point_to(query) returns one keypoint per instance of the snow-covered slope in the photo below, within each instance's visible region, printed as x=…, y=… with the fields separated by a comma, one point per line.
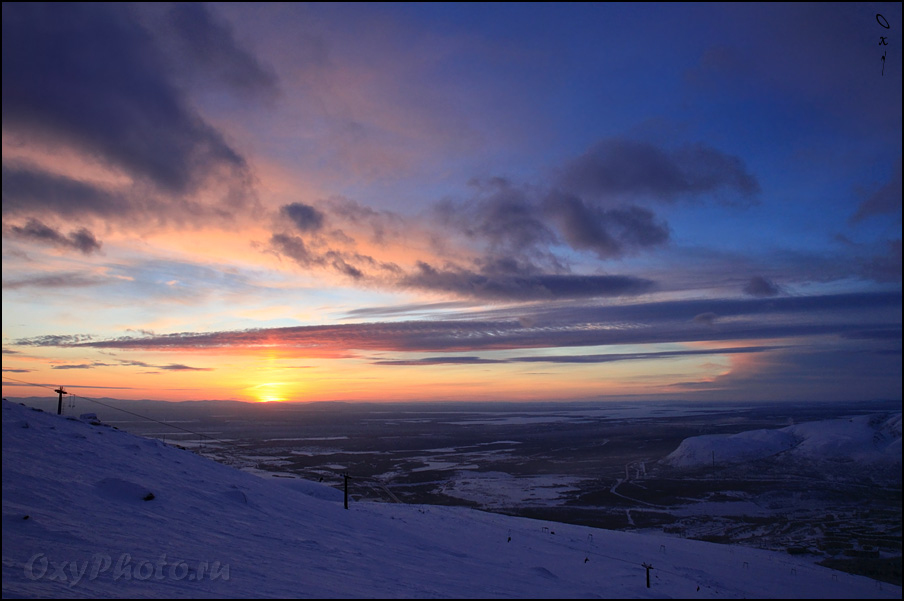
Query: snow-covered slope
x=90, y=511
x=861, y=440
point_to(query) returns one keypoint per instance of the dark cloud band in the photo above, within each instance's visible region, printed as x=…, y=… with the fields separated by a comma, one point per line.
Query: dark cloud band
x=562, y=326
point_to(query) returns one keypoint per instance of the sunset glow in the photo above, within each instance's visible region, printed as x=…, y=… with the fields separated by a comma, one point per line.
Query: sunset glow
x=313, y=202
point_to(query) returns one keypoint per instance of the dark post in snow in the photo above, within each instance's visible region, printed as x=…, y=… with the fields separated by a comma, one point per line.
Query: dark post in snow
x=648, y=567
x=61, y=392
x=346, y=489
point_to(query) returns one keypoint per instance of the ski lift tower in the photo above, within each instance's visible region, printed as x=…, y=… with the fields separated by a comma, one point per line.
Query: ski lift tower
x=61, y=392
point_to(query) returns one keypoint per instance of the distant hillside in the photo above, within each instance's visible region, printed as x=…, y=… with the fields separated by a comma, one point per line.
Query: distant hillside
x=862, y=441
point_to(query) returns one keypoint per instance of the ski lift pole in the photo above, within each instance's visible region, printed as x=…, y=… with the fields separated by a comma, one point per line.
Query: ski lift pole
x=345, y=475
x=648, y=567
x=61, y=392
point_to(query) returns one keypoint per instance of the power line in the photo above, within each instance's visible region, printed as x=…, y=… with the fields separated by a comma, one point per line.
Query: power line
x=199, y=434
x=132, y=413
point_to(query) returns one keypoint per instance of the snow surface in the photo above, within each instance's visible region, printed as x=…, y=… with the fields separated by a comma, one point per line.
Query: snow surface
x=864, y=439
x=91, y=511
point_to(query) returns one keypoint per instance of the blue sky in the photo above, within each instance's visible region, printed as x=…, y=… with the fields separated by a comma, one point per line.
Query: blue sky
x=453, y=201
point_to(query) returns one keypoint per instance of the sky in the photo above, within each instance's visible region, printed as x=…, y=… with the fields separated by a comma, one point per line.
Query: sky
x=140, y=519
x=301, y=202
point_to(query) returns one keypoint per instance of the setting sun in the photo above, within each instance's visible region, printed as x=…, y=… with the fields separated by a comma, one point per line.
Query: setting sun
x=269, y=392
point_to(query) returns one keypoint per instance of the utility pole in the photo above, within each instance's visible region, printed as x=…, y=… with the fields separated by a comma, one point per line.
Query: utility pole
x=61, y=392
x=648, y=567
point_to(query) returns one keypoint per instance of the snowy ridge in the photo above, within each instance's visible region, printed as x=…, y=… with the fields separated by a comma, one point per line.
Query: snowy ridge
x=91, y=511
x=863, y=439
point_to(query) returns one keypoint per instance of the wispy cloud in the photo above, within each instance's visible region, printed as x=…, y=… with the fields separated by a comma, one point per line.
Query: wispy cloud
x=595, y=358
x=886, y=200
x=506, y=329
x=81, y=240
x=760, y=286
x=57, y=280
x=98, y=364
x=617, y=168
x=523, y=286
x=304, y=217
